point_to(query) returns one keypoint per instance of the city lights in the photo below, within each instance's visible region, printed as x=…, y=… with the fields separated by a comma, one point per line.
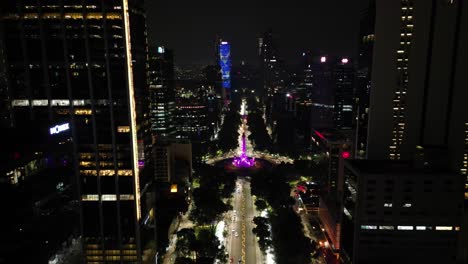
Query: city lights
x=145, y=144
x=345, y=155
x=59, y=128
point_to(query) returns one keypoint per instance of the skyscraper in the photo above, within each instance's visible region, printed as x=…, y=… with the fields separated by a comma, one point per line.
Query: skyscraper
x=418, y=80
x=363, y=75
x=270, y=65
x=343, y=78
x=83, y=64
x=162, y=93
x=224, y=62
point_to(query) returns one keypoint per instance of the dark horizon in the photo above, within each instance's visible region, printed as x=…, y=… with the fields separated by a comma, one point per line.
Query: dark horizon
x=191, y=31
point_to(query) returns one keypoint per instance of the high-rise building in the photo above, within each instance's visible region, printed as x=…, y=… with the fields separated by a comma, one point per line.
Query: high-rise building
x=329, y=85
x=224, y=62
x=213, y=79
x=270, y=65
x=400, y=212
x=162, y=93
x=423, y=105
x=272, y=76
x=418, y=79
x=343, y=78
x=83, y=66
x=337, y=148
x=363, y=76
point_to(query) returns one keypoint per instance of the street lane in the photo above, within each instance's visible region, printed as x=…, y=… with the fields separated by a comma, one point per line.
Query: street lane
x=244, y=247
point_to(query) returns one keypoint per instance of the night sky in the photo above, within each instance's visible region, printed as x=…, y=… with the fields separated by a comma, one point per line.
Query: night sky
x=190, y=27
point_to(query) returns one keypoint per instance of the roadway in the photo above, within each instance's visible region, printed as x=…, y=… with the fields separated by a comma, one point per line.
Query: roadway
x=242, y=243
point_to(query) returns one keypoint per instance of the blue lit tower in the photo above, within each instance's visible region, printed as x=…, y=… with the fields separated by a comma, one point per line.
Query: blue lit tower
x=225, y=64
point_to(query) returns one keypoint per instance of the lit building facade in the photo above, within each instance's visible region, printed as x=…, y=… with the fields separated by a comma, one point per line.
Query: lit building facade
x=413, y=110
x=224, y=62
x=85, y=64
x=162, y=93
x=191, y=122
x=413, y=58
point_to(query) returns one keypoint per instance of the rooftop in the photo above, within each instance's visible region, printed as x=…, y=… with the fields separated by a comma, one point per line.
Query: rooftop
x=392, y=166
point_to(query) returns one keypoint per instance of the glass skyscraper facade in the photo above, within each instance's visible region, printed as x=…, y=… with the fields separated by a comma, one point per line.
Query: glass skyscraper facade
x=84, y=63
x=162, y=93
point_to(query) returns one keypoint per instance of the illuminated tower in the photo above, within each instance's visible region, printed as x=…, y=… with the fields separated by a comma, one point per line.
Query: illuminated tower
x=84, y=63
x=225, y=64
x=418, y=79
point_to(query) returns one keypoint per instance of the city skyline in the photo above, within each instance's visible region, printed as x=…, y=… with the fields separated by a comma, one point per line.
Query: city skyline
x=299, y=26
x=312, y=132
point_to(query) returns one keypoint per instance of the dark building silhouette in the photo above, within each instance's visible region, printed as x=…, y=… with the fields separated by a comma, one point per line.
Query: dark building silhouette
x=401, y=212
x=363, y=76
x=270, y=65
x=271, y=73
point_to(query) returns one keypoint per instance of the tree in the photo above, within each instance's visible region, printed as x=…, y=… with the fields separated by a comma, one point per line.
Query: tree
x=186, y=241
x=262, y=232
x=260, y=204
x=208, y=206
x=291, y=246
x=184, y=260
x=228, y=133
x=209, y=245
x=258, y=133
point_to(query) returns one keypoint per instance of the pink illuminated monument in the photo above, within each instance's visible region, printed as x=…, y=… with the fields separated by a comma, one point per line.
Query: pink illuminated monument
x=243, y=161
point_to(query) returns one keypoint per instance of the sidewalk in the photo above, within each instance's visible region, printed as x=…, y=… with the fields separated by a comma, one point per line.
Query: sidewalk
x=258, y=253
x=177, y=224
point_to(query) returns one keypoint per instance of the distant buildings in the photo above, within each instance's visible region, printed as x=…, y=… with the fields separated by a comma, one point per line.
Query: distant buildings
x=271, y=75
x=193, y=114
x=212, y=77
x=162, y=93
x=343, y=78
x=325, y=93
x=271, y=68
x=168, y=154
x=191, y=121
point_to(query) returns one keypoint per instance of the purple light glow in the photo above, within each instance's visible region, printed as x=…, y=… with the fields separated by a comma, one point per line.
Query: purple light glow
x=243, y=161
